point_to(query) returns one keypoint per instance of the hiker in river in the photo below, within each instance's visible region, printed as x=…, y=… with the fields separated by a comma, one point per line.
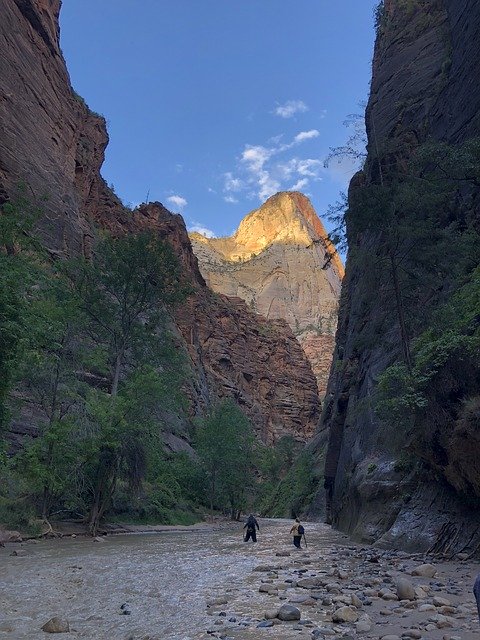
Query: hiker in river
x=476, y=592
x=251, y=526
x=297, y=531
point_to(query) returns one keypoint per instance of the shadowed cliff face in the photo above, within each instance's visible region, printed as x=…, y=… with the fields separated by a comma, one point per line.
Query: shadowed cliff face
x=281, y=263
x=424, y=87
x=52, y=147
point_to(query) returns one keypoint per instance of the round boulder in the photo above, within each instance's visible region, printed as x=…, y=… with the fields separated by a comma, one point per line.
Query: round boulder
x=425, y=571
x=288, y=612
x=345, y=614
x=405, y=589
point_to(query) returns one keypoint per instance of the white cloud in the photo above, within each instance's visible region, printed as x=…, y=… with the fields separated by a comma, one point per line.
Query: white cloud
x=290, y=108
x=255, y=156
x=177, y=201
x=306, y=135
x=263, y=170
x=231, y=183
x=230, y=199
x=198, y=227
x=299, y=185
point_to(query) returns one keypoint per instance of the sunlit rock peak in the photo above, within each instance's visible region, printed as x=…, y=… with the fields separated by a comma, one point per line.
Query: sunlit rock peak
x=282, y=264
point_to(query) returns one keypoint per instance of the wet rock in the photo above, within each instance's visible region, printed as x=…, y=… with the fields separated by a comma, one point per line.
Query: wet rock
x=425, y=571
x=405, y=589
x=265, y=623
x=99, y=539
x=355, y=601
x=288, y=612
x=56, y=625
x=345, y=614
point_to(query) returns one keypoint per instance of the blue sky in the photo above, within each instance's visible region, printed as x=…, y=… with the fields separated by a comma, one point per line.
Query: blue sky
x=213, y=105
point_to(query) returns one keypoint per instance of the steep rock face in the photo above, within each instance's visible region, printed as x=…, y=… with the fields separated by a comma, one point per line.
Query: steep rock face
x=234, y=352
x=281, y=263
x=425, y=86
x=54, y=145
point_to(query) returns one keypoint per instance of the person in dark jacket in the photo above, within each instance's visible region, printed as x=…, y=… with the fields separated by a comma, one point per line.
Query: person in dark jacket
x=251, y=526
x=476, y=592
x=297, y=531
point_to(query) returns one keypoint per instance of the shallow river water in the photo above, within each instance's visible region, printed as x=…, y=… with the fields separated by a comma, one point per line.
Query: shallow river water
x=166, y=580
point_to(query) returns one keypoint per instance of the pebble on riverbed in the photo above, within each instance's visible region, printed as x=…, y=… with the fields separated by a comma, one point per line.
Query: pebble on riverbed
x=56, y=625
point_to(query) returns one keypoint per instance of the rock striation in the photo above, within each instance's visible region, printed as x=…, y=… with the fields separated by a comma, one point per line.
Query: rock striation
x=51, y=151
x=424, y=87
x=282, y=264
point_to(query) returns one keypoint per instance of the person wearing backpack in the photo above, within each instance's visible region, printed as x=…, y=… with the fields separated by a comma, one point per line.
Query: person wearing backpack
x=297, y=531
x=250, y=525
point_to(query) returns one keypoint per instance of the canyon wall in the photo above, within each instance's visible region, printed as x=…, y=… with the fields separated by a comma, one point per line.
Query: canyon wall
x=51, y=152
x=281, y=263
x=424, y=89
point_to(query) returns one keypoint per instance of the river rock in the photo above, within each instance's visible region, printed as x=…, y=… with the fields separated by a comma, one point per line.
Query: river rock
x=265, y=623
x=20, y=553
x=405, y=589
x=441, y=602
x=412, y=633
x=283, y=554
x=271, y=614
x=363, y=626
x=425, y=571
x=9, y=536
x=345, y=614
x=288, y=612
x=56, y=625
x=356, y=602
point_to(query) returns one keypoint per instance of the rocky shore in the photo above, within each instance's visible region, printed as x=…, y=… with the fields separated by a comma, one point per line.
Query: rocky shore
x=350, y=591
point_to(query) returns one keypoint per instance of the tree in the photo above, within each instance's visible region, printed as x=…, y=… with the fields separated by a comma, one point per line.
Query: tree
x=225, y=446
x=125, y=292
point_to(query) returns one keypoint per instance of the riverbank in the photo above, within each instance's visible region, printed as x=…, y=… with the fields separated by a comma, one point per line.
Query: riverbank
x=76, y=528
x=206, y=583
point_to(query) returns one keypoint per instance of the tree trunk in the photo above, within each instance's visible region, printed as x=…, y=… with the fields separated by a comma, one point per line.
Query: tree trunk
x=116, y=373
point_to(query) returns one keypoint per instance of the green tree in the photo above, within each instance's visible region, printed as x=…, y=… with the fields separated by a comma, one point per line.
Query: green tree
x=125, y=292
x=225, y=446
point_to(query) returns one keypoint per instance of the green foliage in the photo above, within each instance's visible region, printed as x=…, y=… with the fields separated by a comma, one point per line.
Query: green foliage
x=225, y=447
x=289, y=496
x=446, y=359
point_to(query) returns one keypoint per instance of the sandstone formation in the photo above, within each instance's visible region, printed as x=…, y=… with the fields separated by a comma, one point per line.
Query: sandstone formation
x=424, y=87
x=51, y=151
x=282, y=264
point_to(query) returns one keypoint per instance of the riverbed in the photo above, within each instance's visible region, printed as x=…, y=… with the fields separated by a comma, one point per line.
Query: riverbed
x=166, y=582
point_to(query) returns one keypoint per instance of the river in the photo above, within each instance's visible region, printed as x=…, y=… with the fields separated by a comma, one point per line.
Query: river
x=165, y=578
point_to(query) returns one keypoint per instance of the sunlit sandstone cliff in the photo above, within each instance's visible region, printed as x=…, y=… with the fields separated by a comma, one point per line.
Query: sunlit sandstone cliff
x=281, y=263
